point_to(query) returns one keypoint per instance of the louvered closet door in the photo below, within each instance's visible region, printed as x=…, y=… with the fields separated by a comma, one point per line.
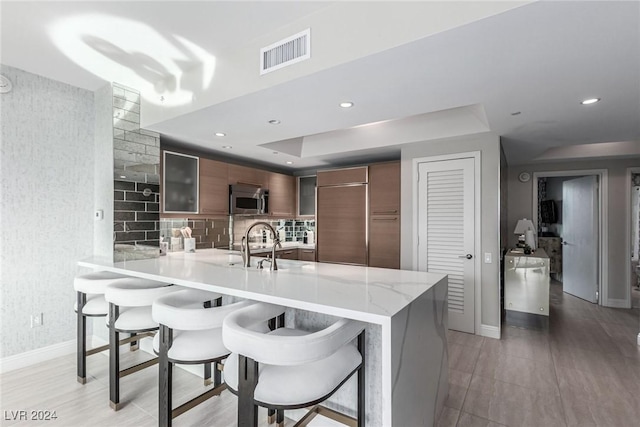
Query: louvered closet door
x=446, y=232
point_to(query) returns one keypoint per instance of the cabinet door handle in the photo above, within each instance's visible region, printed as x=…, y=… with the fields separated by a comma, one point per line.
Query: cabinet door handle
x=385, y=219
x=253, y=184
x=308, y=251
x=467, y=256
x=386, y=212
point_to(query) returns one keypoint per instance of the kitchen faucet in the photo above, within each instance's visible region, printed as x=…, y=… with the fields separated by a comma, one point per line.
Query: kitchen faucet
x=245, y=251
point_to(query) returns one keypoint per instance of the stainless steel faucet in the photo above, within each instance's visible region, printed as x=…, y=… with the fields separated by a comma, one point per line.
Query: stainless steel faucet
x=245, y=251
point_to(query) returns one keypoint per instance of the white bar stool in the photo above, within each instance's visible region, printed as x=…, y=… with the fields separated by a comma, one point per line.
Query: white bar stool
x=90, y=302
x=190, y=333
x=130, y=303
x=290, y=368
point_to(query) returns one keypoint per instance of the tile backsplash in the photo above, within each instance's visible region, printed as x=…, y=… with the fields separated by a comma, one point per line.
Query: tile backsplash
x=294, y=229
x=209, y=233
x=136, y=212
x=224, y=232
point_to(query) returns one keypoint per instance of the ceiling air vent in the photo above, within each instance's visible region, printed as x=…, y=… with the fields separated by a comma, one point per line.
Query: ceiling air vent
x=286, y=52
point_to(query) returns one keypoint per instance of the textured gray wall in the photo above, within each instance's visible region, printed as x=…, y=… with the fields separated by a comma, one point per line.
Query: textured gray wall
x=46, y=206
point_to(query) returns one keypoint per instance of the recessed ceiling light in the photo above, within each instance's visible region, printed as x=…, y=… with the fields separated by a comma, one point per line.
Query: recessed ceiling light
x=590, y=101
x=347, y=104
x=227, y=147
x=274, y=122
x=289, y=162
x=220, y=134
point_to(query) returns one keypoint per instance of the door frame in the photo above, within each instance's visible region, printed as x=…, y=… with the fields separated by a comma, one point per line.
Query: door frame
x=477, y=175
x=603, y=221
x=627, y=275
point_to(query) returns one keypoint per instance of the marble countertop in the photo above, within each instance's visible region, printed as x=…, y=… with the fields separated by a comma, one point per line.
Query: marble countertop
x=368, y=294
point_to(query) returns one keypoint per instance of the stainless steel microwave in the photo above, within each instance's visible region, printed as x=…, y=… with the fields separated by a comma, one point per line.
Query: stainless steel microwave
x=248, y=200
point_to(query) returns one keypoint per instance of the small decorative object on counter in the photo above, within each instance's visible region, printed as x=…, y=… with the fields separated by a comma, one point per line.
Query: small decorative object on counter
x=176, y=243
x=190, y=244
x=164, y=246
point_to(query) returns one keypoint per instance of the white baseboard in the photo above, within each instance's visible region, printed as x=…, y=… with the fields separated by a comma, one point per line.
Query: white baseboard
x=617, y=303
x=490, y=331
x=28, y=358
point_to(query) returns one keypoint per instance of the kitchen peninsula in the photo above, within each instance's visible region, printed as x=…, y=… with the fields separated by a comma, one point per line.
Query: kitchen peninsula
x=406, y=313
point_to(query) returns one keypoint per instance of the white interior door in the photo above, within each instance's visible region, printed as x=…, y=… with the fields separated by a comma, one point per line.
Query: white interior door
x=446, y=230
x=580, y=265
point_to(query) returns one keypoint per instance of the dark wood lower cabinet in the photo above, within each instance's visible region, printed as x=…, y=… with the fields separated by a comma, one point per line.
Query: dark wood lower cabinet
x=384, y=241
x=306, y=254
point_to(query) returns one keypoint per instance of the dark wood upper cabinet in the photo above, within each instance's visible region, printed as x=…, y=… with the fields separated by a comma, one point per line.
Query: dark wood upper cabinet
x=384, y=186
x=248, y=176
x=214, y=187
x=357, y=175
x=282, y=194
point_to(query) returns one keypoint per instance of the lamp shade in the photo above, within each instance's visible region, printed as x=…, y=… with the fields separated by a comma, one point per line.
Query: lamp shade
x=523, y=225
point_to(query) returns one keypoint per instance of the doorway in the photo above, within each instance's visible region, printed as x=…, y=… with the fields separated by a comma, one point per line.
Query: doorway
x=447, y=215
x=601, y=213
x=633, y=235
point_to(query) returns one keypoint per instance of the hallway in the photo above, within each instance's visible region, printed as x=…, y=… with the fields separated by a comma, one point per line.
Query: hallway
x=583, y=371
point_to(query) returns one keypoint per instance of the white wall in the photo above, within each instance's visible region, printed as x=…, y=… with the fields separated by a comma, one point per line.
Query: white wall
x=489, y=146
x=46, y=206
x=103, y=171
x=520, y=206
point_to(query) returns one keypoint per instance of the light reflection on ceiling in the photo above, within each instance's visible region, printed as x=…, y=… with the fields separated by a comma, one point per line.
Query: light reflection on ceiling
x=134, y=54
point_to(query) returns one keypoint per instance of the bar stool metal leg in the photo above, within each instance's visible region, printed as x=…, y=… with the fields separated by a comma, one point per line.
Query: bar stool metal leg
x=114, y=359
x=165, y=377
x=81, y=338
x=134, y=345
x=247, y=381
x=361, y=379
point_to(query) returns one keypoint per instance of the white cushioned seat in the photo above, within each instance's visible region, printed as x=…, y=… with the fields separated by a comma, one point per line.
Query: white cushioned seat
x=134, y=319
x=95, y=305
x=295, y=368
x=134, y=296
x=197, y=330
x=194, y=346
x=292, y=385
x=90, y=289
x=136, y=292
x=96, y=282
x=190, y=332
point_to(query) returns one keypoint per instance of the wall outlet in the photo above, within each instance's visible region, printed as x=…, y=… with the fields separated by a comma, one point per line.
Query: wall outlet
x=487, y=257
x=37, y=320
x=98, y=215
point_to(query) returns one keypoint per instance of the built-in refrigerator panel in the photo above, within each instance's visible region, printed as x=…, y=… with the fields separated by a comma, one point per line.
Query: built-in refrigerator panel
x=341, y=224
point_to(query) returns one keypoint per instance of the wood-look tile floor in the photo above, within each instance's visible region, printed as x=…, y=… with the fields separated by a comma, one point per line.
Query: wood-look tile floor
x=583, y=371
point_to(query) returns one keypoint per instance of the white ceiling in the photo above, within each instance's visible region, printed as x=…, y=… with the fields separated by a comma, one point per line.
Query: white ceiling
x=540, y=60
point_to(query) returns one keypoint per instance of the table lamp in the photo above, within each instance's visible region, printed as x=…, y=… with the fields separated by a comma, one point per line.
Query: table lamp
x=524, y=230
